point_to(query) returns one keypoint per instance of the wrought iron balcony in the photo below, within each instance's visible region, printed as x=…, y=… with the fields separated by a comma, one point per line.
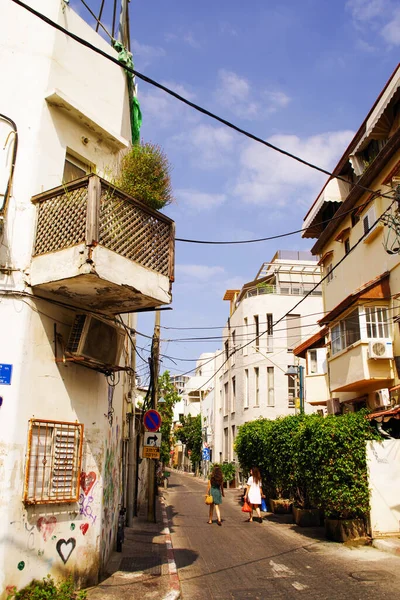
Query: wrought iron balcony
x=98, y=248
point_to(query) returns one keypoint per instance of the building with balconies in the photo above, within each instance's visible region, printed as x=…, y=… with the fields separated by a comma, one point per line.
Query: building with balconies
x=356, y=226
x=78, y=257
x=258, y=341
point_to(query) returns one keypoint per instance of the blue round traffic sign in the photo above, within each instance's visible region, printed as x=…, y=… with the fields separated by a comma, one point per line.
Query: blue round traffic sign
x=152, y=420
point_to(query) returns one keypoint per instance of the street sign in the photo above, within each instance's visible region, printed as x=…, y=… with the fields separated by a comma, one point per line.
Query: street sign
x=152, y=439
x=151, y=452
x=206, y=453
x=152, y=420
x=5, y=374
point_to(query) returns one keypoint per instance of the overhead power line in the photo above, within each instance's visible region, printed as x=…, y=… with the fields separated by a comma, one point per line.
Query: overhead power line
x=197, y=107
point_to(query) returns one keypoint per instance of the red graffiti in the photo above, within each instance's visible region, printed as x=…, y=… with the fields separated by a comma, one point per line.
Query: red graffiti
x=84, y=527
x=46, y=526
x=87, y=481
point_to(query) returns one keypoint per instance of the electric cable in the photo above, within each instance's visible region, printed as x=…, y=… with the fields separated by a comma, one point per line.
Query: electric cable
x=306, y=295
x=193, y=105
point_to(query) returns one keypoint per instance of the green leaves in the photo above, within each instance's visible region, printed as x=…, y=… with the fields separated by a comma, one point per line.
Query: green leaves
x=320, y=462
x=190, y=434
x=166, y=410
x=145, y=174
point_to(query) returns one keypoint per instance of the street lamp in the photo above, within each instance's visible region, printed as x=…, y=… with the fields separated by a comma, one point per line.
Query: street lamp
x=298, y=372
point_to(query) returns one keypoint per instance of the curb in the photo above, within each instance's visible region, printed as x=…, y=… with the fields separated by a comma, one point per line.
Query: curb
x=391, y=546
x=175, y=590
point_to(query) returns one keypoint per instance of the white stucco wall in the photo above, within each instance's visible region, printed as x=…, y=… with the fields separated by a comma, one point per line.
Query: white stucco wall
x=36, y=60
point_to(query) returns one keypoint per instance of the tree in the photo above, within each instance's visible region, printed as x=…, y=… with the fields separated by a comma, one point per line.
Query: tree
x=166, y=410
x=190, y=434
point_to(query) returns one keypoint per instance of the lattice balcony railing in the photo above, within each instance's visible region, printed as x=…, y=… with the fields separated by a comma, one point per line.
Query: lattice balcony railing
x=92, y=211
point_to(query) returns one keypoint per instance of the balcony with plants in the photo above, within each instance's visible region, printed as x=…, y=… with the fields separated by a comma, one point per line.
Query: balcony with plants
x=103, y=246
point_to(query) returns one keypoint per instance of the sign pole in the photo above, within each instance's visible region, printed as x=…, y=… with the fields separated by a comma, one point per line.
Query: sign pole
x=155, y=351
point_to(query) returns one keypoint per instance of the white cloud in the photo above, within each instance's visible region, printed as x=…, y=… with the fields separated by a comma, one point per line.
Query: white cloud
x=200, y=272
x=165, y=110
x=391, y=31
x=207, y=147
x=365, y=10
x=227, y=28
x=237, y=95
x=268, y=177
x=189, y=39
x=145, y=54
x=199, y=200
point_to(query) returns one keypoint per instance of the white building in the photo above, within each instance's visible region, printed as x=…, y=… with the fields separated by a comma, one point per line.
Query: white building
x=70, y=262
x=258, y=345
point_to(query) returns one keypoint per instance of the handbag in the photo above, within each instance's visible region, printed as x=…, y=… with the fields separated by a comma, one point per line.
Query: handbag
x=209, y=499
x=246, y=508
x=264, y=506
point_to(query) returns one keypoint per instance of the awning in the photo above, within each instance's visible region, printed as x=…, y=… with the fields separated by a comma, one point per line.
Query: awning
x=325, y=257
x=315, y=341
x=342, y=234
x=376, y=289
x=382, y=416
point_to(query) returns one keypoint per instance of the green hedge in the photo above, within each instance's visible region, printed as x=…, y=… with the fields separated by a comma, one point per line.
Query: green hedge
x=316, y=461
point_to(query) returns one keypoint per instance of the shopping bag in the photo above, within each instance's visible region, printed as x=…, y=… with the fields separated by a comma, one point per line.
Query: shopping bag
x=246, y=508
x=209, y=499
x=264, y=506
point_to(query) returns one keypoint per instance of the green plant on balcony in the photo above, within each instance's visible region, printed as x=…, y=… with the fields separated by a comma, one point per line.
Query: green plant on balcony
x=145, y=174
x=267, y=288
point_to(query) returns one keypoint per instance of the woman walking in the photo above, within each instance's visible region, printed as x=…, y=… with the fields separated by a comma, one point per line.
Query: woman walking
x=216, y=490
x=254, y=492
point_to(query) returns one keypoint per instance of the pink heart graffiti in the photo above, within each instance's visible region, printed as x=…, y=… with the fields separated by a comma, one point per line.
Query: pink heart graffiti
x=87, y=481
x=46, y=526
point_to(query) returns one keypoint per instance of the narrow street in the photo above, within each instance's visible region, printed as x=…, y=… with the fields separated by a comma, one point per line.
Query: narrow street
x=272, y=560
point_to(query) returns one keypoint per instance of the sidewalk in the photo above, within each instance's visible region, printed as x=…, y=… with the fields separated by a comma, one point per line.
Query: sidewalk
x=145, y=568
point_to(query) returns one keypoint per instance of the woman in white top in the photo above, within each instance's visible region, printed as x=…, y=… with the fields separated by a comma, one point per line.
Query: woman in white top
x=254, y=493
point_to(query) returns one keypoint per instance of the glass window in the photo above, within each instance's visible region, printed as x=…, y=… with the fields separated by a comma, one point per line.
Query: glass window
x=74, y=168
x=233, y=394
x=312, y=362
x=256, y=386
x=336, y=339
x=226, y=398
x=270, y=386
x=377, y=322
x=291, y=379
x=246, y=388
x=346, y=333
x=347, y=246
x=246, y=334
x=257, y=331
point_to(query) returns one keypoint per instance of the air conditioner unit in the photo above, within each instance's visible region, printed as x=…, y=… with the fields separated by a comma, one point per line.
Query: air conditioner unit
x=380, y=349
x=95, y=342
x=382, y=398
x=333, y=406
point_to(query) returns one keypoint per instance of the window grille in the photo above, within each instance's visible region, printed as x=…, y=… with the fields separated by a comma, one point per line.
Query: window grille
x=53, y=462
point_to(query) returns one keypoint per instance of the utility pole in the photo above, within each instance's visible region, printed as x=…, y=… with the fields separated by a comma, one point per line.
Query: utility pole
x=133, y=430
x=155, y=365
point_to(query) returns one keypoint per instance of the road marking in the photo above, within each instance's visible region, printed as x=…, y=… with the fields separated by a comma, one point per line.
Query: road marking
x=280, y=570
x=299, y=586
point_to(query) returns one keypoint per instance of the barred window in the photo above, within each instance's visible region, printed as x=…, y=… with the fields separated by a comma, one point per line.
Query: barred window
x=53, y=462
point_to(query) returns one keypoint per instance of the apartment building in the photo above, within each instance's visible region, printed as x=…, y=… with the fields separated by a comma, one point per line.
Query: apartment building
x=268, y=318
x=355, y=223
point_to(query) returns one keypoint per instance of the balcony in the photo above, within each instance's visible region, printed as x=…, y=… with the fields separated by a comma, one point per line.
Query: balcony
x=353, y=371
x=99, y=249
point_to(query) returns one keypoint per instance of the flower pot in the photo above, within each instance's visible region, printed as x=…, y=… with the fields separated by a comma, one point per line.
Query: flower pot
x=342, y=530
x=280, y=506
x=306, y=517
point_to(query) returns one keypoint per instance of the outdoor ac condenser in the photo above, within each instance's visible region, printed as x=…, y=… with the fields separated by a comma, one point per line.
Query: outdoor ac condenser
x=333, y=406
x=382, y=398
x=380, y=349
x=95, y=341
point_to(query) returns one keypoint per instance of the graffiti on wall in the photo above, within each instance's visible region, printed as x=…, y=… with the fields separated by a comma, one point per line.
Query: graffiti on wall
x=86, y=498
x=46, y=526
x=111, y=488
x=65, y=548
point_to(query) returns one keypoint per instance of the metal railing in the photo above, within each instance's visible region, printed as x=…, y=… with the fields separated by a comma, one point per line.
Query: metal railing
x=92, y=211
x=291, y=289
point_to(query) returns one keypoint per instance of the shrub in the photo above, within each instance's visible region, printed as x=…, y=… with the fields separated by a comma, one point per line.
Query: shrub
x=144, y=174
x=228, y=471
x=47, y=589
x=321, y=462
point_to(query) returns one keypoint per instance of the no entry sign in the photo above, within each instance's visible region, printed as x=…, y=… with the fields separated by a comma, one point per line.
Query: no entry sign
x=152, y=420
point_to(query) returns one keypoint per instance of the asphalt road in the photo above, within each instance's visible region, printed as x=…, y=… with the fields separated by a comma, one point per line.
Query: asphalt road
x=271, y=560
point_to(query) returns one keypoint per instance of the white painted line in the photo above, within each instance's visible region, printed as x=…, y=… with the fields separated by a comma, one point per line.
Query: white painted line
x=280, y=570
x=299, y=586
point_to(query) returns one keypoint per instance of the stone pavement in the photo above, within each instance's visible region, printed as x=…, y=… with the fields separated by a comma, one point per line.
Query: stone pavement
x=145, y=569
x=271, y=560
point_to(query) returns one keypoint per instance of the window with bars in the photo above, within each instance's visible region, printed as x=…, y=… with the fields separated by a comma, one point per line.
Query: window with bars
x=53, y=462
x=377, y=322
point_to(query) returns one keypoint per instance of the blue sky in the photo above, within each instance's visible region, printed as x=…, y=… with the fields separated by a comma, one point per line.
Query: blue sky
x=300, y=73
